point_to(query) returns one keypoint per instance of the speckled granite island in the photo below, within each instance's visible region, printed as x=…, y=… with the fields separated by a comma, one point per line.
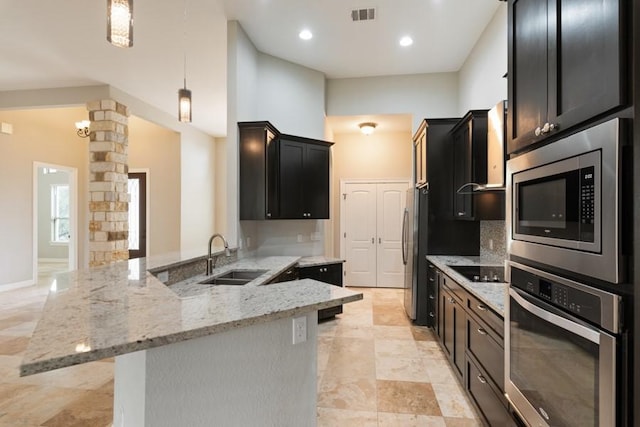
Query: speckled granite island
x=189, y=354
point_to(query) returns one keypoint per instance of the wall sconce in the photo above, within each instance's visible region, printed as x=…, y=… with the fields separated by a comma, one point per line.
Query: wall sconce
x=83, y=128
x=367, y=128
x=120, y=22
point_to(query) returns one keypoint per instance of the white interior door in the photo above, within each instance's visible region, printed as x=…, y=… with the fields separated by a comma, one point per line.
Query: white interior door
x=359, y=234
x=390, y=208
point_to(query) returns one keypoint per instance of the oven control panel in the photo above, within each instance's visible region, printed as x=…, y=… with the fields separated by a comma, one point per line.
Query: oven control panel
x=587, y=203
x=579, y=302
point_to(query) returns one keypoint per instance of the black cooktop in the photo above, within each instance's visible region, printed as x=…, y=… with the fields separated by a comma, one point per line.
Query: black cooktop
x=480, y=273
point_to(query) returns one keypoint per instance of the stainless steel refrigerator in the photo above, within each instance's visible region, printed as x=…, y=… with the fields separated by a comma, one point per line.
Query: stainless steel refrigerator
x=409, y=251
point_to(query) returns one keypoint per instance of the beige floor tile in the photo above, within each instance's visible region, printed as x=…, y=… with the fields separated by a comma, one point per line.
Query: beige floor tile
x=462, y=422
x=354, y=331
x=38, y=406
x=386, y=419
x=430, y=350
x=351, y=358
x=452, y=400
x=407, y=398
x=356, y=394
x=389, y=315
x=10, y=345
x=23, y=329
x=422, y=333
x=327, y=328
x=331, y=417
x=400, y=369
x=440, y=372
x=396, y=348
x=392, y=332
x=95, y=408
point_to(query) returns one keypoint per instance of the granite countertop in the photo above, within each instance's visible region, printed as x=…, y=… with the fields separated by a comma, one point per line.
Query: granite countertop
x=312, y=261
x=123, y=308
x=491, y=293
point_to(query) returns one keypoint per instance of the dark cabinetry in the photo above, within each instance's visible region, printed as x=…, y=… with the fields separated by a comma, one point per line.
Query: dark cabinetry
x=470, y=168
x=452, y=323
x=303, y=176
x=282, y=176
x=328, y=273
x=471, y=335
x=566, y=65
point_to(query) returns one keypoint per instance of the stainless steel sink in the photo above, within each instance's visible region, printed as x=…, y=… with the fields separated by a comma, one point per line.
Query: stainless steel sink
x=233, y=277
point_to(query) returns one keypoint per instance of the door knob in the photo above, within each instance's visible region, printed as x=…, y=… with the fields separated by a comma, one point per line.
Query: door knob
x=538, y=131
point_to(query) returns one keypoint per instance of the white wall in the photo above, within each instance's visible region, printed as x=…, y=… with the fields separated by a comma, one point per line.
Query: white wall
x=292, y=98
x=221, y=186
x=480, y=78
x=422, y=95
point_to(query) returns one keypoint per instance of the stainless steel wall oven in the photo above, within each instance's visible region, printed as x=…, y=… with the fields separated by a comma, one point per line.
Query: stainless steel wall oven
x=564, y=203
x=561, y=350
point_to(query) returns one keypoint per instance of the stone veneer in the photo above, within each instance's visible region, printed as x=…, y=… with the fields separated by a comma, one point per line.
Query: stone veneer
x=108, y=168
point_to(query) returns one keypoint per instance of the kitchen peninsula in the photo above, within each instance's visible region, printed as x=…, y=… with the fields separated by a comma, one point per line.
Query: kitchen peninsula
x=193, y=354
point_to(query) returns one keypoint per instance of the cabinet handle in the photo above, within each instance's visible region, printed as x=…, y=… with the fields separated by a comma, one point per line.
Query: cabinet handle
x=482, y=307
x=482, y=379
x=553, y=126
x=268, y=214
x=431, y=314
x=461, y=213
x=538, y=131
x=431, y=279
x=451, y=300
x=309, y=214
x=430, y=266
x=482, y=331
x=432, y=297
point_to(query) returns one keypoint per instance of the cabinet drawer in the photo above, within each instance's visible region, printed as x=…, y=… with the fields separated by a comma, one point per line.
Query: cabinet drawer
x=490, y=404
x=488, y=316
x=456, y=290
x=489, y=352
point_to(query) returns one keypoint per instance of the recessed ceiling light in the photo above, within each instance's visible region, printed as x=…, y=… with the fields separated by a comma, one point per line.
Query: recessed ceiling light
x=305, y=35
x=406, y=41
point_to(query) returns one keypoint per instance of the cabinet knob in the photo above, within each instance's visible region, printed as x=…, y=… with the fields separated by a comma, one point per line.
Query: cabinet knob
x=431, y=279
x=268, y=214
x=482, y=331
x=451, y=300
x=309, y=214
x=538, y=131
x=431, y=314
x=431, y=297
x=553, y=126
x=482, y=379
x=461, y=213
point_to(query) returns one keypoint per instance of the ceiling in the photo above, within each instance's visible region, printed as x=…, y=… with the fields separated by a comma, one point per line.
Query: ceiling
x=46, y=44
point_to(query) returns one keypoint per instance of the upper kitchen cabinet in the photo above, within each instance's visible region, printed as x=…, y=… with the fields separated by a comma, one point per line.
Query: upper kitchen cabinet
x=420, y=155
x=258, y=166
x=282, y=176
x=566, y=65
x=303, y=177
x=470, y=170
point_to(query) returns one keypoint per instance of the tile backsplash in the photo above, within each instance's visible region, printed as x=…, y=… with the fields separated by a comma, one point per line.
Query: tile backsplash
x=493, y=241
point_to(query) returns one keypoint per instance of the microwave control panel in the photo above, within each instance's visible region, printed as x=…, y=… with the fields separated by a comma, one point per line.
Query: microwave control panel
x=587, y=203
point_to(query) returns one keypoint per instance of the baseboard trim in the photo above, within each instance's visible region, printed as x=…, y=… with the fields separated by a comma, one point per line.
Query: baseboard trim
x=16, y=285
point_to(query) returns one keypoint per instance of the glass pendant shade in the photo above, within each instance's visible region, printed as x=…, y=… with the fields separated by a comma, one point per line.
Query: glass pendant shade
x=120, y=22
x=184, y=105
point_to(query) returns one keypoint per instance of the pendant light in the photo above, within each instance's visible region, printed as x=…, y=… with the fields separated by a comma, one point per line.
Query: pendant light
x=184, y=94
x=120, y=22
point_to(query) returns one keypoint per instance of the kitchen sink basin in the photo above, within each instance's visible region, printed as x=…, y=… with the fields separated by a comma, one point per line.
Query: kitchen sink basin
x=233, y=277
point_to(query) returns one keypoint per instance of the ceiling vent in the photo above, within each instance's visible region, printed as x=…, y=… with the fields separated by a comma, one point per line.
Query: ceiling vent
x=363, y=14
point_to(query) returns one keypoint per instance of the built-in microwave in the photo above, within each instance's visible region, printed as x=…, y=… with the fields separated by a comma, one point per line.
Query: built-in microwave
x=564, y=204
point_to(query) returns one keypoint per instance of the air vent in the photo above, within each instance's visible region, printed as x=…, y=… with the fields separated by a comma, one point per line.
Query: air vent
x=363, y=14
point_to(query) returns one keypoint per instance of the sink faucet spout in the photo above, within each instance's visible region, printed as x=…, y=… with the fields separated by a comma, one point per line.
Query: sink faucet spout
x=211, y=262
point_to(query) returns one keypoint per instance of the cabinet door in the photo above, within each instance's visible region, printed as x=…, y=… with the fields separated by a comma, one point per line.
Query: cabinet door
x=585, y=59
x=460, y=334
x=462, y=171
x=291, y=185
x=527, y=25
x=448, y=321
x=316, y=182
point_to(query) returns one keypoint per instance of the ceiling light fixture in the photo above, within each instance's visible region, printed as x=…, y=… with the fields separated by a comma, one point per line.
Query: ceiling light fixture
x=367, y=128
x=305, y=35
x=184, y=94
x=82, y=128
x=406, y=41
x=120, y=22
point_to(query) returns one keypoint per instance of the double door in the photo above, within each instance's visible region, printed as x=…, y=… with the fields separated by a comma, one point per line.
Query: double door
x=372, y=233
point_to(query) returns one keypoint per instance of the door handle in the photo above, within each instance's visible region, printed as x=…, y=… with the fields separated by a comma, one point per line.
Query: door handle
x=380, y=240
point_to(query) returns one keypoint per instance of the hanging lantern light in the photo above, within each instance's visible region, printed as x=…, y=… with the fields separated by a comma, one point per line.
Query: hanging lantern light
x=184, y=104
x=120, y=22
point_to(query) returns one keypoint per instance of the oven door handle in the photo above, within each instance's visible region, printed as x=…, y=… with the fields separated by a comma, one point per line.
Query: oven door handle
x=555, y=319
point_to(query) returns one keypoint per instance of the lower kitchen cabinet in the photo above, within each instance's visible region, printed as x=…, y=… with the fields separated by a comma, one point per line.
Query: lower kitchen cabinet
x=453, y=325
x=471, y=335
x=328, y=273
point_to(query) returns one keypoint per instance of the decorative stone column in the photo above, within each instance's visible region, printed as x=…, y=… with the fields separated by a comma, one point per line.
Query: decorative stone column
x=108, y=168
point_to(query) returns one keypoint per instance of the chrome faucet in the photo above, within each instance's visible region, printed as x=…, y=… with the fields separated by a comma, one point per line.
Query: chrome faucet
x=211, y=262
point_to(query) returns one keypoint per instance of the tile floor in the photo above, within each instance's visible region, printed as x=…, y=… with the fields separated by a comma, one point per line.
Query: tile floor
x=374, y=369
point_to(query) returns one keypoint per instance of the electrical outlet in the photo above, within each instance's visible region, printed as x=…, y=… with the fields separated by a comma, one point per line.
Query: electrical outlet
x=299, y=329
x=490, y=244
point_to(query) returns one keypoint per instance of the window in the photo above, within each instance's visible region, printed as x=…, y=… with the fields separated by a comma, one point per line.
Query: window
x=59, y=213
